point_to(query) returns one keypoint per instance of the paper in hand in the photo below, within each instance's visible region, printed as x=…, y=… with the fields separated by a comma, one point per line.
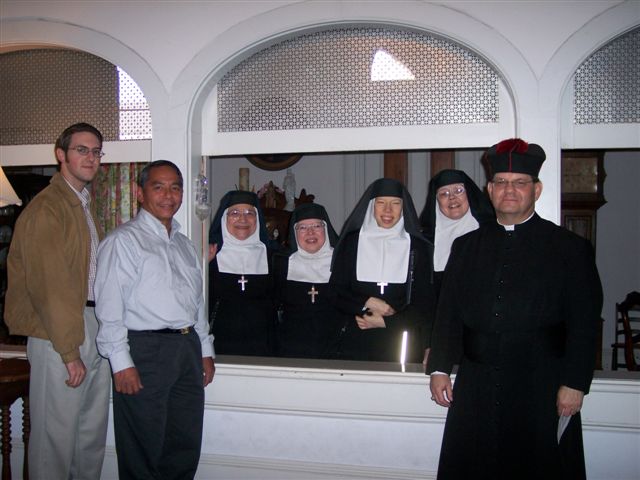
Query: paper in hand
x=562, y=425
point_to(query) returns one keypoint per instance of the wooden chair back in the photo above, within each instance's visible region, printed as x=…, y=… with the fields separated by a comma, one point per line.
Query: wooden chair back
x=628, y=325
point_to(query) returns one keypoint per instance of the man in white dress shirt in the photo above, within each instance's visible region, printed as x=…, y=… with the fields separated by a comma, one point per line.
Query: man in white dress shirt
x=153, y=330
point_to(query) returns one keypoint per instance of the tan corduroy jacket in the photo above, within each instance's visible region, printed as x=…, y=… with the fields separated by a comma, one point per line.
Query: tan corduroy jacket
x=48, y=269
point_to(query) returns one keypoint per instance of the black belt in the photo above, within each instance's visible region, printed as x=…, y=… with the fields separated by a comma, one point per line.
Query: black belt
x=488, y=347
x=91, y=303
x=182, y=331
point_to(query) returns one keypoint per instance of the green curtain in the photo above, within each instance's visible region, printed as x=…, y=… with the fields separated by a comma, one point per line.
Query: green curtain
x=114, y=193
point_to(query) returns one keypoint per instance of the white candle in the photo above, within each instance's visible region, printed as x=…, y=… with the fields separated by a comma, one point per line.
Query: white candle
x=243, y=183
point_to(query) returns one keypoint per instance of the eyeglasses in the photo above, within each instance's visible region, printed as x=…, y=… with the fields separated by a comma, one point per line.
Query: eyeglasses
x=455, y=192
x=235, y=214
x=84, y=151
x=518, y=184
x=308, y=227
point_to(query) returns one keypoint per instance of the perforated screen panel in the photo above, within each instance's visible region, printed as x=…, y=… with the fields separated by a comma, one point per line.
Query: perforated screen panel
x=607, y=84
x=357, y=77
x=46, y=90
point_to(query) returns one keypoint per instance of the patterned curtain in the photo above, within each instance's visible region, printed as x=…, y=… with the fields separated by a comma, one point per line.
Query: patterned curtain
x=114, y=193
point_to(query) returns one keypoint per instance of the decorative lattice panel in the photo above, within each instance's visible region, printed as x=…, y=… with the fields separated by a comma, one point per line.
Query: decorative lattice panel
x=357, y=77
x=135, y=116
x=607, y=84
x=44, y=91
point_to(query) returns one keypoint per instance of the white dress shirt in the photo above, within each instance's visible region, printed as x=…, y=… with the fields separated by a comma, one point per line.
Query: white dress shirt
x=147, y=280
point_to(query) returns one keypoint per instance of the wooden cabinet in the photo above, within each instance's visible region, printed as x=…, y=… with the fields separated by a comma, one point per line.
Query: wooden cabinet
x=582, y=191
x=582, y=195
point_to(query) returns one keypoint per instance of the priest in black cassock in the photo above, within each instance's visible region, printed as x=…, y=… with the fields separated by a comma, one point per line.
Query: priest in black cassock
x=518, y=312
x=308, y=323
x=242, y=308
x=382, y=276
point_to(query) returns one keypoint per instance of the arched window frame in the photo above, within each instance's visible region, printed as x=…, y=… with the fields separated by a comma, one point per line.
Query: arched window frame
x=466, y=135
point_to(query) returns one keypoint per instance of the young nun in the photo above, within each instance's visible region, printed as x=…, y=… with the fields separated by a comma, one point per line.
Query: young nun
x=455, y=206
x=381, y=273
x=308, y=323
x=242, y=310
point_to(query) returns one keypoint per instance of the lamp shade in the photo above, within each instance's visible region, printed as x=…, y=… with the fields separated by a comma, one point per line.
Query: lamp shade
x=7, y=193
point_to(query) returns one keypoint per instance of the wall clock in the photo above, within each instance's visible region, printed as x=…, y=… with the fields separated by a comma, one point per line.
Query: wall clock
x=278, y=161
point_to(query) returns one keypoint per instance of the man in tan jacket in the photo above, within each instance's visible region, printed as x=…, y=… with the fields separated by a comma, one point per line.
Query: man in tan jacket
x=51, y=267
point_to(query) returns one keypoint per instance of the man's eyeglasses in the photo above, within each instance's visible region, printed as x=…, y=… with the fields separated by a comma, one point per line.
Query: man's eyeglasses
x=84, y=151
x=235, y=214
x=451, y=193
x=519, y=184
x=308, y=227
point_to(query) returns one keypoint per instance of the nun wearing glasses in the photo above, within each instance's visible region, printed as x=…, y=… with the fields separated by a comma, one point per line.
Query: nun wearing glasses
x=382, y=273
x=242, y=309
x=308, y=323
x=455, y=206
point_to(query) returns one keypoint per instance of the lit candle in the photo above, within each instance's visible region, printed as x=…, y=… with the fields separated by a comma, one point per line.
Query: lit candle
x=243, y=183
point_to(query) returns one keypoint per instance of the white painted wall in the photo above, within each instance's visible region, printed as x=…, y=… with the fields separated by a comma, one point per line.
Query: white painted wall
x=273, y=422
x=379, y=425
x=115, y=152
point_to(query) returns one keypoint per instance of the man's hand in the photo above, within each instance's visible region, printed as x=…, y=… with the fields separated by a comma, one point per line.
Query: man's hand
x=373, y=320
x=77, y=371
x=209, y=370
x=127, y=381
x=569, y=401
x=379, y=306
x=441, y=390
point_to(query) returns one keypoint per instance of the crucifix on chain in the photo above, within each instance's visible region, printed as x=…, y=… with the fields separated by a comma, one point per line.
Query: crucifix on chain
x=242, y=281
x=382, y=285
x=313, y=292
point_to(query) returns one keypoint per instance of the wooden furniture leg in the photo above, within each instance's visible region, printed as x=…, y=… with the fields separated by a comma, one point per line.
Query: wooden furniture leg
x=6, y=441
x=14, y=384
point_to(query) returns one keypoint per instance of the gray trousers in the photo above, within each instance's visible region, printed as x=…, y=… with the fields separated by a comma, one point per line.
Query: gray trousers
x=68, y=425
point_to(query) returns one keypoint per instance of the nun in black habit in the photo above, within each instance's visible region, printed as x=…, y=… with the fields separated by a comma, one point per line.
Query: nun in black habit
x=455, y=206
x=308, y=322
x=242, y=310
x=382, y=276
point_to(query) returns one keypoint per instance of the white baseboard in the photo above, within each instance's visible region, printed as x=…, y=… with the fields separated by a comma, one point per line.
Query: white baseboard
x=230, y=467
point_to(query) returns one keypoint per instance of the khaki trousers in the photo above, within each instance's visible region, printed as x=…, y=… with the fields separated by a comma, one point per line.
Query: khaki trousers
x=68, y=425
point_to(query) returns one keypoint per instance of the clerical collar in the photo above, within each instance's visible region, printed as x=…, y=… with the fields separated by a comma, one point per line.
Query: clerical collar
x=510, y=228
